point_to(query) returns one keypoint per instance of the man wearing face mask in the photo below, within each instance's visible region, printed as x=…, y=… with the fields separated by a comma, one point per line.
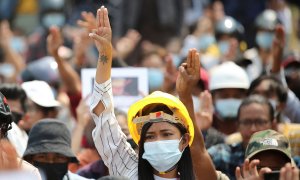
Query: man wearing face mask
x=49, y=149
x=229, y=34
x=254, y=114
x=228, y=85
x=261, y=55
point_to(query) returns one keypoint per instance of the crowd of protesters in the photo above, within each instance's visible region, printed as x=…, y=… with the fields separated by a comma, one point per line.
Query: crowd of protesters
x=224, y=89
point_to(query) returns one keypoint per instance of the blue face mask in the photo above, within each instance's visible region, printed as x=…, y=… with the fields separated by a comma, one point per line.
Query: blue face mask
x=264, y=39
x=205, y=41
x=162, y=155
x=53, y=19
x=223, y=47
x=228, y=108
x=155, y=78
x=209, y=61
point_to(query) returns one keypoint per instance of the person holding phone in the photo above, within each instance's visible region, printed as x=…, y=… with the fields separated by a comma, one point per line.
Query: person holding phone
x=268, y=156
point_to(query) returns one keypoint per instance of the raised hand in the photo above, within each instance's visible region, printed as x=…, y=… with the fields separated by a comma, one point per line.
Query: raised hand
x=170, y=75
x=250, y=171
x=288, y=172
x=83, y=113
x=102, y=35
x=204, y=116
x=54, y=40
x=126, y=44
x=189, y=73
x=88, y=22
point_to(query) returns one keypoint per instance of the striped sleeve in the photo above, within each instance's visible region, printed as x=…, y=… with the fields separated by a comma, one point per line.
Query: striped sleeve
x=108, y=137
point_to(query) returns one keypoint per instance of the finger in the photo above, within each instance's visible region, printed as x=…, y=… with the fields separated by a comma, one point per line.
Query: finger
x=295, y=172
x=86, y=16
x=97, y=38
x=282, y=174
x=106, y=19
x=289, y=170
x=189, y=58
x=197, y=62
x=91, y=17
x=246, y=168
x=279, y=32
x=190, y=64
x=102, y=16
x=82, y=24
x=169, y=63
x=238, y=174
x=262, y=171
x=206, y=100
x=209, y=100
x=133, y=34
x=184, y=65
x=253, y=165
x=183, y=72
x=98, y=18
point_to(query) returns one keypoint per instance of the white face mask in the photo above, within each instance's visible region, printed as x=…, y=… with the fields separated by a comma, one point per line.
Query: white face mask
x=162, y=155
x=228, y=107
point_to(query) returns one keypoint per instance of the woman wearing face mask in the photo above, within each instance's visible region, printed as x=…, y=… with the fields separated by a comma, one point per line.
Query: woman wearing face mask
x=159, y=123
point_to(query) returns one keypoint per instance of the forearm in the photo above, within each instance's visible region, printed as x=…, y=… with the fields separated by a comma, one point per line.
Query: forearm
x=103, y=72
x=77, y=137
x=69, y=76
x=15, y=59
x=201, y=159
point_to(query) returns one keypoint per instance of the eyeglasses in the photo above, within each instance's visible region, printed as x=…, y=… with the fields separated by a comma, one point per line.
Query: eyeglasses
x=257, y=122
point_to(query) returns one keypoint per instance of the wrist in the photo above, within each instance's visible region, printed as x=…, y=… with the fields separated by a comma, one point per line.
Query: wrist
x=185, y=96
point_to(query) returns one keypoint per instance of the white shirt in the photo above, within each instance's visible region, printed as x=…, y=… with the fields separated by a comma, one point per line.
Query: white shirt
x=109, y=139
x=18, y=138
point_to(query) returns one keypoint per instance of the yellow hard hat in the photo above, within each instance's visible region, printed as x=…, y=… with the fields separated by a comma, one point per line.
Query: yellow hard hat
x=181, y=115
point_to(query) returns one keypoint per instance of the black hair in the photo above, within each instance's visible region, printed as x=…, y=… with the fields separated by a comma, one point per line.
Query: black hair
x=14, y=92
x=5, y=124
x=257, y=99
x=275, y=86
x=145, y=170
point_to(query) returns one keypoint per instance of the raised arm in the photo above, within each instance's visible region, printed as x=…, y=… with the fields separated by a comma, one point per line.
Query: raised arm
x=69, y=76
x=108, y=137
x=10, y=55
x=189, y=75
x=102, y=38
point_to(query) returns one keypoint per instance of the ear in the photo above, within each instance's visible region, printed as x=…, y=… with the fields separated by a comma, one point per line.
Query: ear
x=185, y=141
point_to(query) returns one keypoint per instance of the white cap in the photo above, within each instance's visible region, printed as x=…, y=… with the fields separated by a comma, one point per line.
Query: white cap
x=228, y=75
x=40, y=93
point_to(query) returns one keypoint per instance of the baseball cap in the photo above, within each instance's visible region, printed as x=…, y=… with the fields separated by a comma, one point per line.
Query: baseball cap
x=181, y=115
x=50, y=136
x=228, y=75
x=40, y=93
x=268, y=140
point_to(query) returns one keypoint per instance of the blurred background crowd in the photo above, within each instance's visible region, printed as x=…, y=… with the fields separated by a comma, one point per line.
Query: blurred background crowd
x=247, y=47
